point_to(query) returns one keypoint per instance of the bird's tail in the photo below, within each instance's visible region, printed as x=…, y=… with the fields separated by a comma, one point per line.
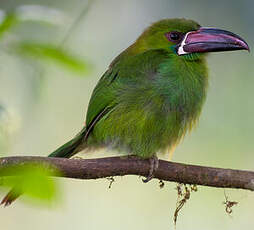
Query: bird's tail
x=71, y=147
x=65, y=151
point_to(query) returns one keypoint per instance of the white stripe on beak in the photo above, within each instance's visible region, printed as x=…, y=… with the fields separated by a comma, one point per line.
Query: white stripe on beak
x=180, y=50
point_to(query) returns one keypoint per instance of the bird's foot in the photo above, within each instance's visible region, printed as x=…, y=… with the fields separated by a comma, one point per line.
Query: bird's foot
x=154, y=164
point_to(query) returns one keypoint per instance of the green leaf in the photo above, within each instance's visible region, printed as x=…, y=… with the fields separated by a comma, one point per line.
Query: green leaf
x=33, y=180
x=48, y=52
x=8, y=22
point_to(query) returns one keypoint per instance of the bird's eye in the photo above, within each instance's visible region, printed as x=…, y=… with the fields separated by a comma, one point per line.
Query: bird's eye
x=174, y=36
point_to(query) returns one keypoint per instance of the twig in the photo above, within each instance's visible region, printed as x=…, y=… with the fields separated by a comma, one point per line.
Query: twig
x=120, y=166
x=228, y=204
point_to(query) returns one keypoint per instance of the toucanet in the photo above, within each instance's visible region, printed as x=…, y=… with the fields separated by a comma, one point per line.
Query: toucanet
x=152, y=94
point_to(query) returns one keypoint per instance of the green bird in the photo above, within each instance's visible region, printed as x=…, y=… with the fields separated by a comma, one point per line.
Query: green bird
x=152, y=93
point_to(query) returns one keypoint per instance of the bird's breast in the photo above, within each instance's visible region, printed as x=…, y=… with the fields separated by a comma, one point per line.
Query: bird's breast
x=182, y=86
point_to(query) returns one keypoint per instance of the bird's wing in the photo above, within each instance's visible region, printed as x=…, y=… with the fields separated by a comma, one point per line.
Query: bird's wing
x=102, y=98
x=123, y=72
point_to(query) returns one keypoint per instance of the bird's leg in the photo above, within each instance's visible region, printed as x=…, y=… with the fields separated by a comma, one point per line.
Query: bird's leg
x=154, y=164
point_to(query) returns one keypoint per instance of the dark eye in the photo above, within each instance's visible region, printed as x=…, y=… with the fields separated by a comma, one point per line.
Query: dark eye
x=174, y=36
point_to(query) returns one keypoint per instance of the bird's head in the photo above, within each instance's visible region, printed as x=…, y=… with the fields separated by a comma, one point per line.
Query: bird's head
x=184, y=37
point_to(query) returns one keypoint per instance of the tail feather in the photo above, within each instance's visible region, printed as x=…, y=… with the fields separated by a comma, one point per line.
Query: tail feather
x=71, y=147
x=11, y=196
x=67, y=150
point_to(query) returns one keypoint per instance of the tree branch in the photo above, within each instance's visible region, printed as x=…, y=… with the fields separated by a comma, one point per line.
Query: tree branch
x=120, y=166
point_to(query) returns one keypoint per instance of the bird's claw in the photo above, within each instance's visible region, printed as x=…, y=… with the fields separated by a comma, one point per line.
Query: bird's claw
x=154, y=164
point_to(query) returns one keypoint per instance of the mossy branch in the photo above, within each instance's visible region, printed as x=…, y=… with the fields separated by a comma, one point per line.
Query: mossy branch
x=120, y=166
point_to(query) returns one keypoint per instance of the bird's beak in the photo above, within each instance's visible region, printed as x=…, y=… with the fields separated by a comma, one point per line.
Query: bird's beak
x=210, y=40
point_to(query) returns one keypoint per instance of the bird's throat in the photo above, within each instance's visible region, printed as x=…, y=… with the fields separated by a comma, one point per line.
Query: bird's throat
x=183, y=81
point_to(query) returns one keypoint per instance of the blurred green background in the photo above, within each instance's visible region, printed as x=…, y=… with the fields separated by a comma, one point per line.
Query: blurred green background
x=50, y=62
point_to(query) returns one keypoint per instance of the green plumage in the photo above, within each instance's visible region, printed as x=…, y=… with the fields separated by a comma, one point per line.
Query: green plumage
x=147, y=99
x=152, y=93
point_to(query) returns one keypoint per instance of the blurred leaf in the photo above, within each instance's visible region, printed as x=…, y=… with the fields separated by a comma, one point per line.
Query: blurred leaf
x=8, y=22
x=33, y=180
x=52, y=53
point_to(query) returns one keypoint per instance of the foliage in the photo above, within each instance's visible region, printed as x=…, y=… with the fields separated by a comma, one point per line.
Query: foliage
x=8, y=22
x=27, y=35
x=39, y=50
x=49, y=52
x=33, y=180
